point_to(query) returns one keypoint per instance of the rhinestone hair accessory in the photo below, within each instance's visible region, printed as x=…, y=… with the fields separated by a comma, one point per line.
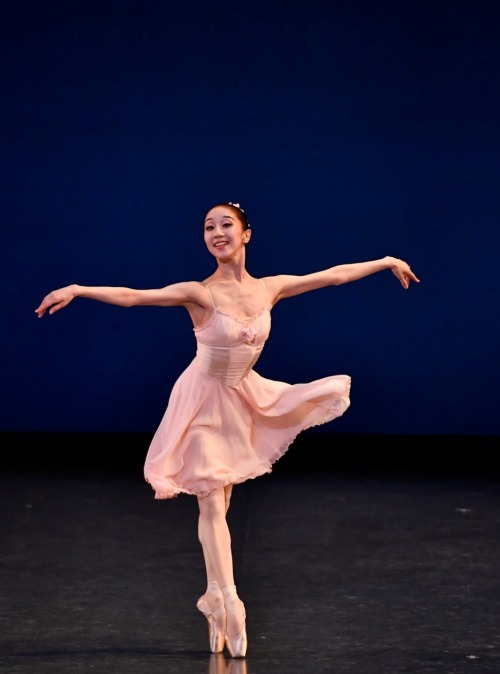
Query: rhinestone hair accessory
x=237, y=205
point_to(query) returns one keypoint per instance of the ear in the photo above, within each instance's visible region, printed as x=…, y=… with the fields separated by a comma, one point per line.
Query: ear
x=246, y=235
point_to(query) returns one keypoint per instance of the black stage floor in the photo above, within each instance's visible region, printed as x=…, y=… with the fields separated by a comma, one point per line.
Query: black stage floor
x=341, y=573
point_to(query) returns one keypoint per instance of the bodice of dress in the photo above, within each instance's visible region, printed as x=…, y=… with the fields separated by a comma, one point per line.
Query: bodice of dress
x=228, y=347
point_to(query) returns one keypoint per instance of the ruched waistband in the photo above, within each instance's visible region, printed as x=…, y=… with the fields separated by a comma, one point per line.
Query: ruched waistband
x=229, y=364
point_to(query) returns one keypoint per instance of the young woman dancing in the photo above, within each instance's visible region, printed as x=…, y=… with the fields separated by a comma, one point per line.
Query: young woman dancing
x=224, y=423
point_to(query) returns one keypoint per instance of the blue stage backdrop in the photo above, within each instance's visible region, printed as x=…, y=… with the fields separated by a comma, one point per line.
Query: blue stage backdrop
x=347, y=130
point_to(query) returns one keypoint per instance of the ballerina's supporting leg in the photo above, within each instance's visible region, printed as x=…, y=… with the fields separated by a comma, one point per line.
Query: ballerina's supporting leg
x=211, y=510
x=215, y=539
x=211, y=604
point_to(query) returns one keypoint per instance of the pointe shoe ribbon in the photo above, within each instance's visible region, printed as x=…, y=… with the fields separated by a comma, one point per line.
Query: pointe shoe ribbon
x=215, y=618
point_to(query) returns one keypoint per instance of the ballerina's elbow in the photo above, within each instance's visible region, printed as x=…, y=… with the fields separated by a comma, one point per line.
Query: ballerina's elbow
x=338, y=278
x=130, y=298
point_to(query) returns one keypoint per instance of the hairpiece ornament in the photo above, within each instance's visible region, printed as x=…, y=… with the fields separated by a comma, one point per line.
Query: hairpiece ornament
x=236, y=205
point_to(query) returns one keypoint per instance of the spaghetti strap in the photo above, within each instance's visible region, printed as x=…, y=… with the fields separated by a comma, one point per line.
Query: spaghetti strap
x=211, y=296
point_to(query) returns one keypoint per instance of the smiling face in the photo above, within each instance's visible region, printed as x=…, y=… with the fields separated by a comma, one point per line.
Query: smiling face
x=224, y=232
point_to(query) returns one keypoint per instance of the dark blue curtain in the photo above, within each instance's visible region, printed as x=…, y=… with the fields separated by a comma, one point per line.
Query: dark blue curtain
x=347, y=130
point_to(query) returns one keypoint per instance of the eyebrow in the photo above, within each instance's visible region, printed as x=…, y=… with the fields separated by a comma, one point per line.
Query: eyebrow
x=224, y=216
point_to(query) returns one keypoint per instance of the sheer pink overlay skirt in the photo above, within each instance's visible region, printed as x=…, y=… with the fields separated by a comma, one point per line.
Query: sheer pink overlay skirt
x=213, y=434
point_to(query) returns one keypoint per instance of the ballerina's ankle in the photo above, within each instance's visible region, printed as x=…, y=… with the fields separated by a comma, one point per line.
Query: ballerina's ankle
x=213, y=588
x=229, y=590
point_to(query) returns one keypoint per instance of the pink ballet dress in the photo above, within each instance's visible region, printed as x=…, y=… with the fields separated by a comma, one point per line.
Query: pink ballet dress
x=224, y=423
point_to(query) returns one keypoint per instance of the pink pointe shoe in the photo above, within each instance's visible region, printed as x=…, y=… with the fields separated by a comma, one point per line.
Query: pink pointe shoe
x=215, y=613
x=235, y=612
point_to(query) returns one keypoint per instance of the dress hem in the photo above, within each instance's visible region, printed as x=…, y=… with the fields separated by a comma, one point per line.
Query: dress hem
x=327, y=415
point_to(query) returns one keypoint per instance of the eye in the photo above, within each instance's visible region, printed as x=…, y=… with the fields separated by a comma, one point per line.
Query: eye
x=227, y=224
x=208, y=228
